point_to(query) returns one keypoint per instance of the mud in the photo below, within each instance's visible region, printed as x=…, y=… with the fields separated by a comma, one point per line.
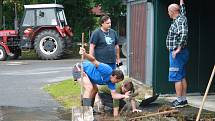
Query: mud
x=188, y=113
x=152, y=112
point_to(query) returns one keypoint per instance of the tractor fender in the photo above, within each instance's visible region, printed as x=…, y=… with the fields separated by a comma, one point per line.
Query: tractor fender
x=8, y=33
x=5, y=47
x=61, y=31
x=68, y=31
x=57, y=28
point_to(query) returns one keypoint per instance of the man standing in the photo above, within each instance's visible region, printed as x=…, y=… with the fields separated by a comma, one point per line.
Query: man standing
x=96, y=73
x=176, y=43
x=104, y=43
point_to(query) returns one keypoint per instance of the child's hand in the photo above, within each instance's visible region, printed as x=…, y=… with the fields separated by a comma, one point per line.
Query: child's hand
x=128, y=94
x=136, y=110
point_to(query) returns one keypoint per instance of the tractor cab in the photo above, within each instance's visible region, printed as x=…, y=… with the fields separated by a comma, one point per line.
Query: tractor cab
x=44, y=15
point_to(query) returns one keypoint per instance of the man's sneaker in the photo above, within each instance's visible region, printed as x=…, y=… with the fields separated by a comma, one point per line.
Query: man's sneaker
x=76, y=71
x=177, y=104
x=185, y=103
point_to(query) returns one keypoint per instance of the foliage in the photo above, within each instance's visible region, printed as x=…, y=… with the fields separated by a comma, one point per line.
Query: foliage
x=114, y=8
x=66, y=92
x=79, y=17
x=77, y=12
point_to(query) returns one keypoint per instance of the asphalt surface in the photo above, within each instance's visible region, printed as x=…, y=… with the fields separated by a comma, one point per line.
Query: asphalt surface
x=21, y=92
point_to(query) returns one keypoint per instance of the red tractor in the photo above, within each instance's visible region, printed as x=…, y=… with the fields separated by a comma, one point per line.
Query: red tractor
x=43, y=28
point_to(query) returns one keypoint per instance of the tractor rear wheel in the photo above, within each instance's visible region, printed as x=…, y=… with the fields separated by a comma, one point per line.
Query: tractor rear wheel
x=3, y=54
x=49, y=45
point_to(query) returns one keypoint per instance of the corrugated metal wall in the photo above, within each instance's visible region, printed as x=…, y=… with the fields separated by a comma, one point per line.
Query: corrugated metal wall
x=137, y=41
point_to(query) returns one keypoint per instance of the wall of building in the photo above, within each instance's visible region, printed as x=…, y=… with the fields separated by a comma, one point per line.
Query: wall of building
x=200, y=44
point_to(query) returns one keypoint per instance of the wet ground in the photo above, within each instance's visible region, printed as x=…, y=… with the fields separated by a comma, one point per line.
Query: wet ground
x=188, y=113
x=153, y=112
x=9, y=113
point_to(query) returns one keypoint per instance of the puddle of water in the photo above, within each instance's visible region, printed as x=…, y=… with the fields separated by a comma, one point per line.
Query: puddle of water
x=10, y=113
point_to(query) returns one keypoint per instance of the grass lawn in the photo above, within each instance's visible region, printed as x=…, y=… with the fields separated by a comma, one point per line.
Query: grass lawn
x=66, y=92
x=31, y=54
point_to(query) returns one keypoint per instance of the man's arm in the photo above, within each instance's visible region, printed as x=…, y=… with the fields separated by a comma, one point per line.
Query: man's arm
x=181, y=2
x=117, y=54
x=182, y=8
x=92, y=48
x=89, y=57
x=115, y=111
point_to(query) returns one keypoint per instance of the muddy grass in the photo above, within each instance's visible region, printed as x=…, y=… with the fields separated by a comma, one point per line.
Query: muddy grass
x=160, y=110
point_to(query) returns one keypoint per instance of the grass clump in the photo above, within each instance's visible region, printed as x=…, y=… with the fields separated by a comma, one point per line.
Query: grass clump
x=66, y=92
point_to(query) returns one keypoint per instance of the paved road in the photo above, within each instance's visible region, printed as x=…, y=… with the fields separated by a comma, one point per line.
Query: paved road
x=21, y=82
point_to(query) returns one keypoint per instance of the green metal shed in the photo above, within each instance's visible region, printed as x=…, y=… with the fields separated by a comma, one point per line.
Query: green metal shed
x=147, y=27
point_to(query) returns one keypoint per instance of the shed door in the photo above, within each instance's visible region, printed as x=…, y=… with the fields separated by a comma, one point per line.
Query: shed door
x=137, y=41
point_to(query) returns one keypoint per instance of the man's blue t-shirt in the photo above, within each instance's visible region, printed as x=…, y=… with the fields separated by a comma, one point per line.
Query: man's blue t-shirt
x=99, y=75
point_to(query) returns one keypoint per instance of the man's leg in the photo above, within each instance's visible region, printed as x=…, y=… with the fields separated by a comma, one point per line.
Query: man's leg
x=93, y=95
x=106, y=99
x=179, y=90
x=88, y=89
x=184, y=89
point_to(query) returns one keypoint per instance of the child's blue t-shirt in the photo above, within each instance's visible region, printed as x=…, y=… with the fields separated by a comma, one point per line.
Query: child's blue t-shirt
x=100, y=75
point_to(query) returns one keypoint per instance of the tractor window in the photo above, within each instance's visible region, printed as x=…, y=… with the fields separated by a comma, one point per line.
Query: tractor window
x=61, y=17
x=29, y=19
x=46, y=17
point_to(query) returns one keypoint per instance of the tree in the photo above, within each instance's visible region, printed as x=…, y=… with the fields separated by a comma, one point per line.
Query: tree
x=114, y=8
x=77, y=13
x=1, y=6
x=79, y=17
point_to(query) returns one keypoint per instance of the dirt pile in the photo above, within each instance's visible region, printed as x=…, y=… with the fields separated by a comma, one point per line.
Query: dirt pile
x=159, y=111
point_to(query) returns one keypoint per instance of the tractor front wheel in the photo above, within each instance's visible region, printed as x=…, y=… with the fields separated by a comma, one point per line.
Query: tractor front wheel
x=3, y=54
x=49, y=45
